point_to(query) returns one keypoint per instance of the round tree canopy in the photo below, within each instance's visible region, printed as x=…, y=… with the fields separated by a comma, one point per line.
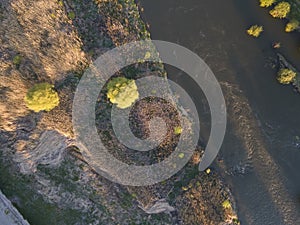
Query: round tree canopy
x=41, y=97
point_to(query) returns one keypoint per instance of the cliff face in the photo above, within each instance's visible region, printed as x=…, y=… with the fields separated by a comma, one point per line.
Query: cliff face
x=42, y=172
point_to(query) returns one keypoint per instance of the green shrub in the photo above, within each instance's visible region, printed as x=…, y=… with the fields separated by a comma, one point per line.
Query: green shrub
x=17, y=60
x=71, y=15
x=41, y=97
x=266, y=3
x=281, y=10
x=226, y=204
x=122, y=92
x=255, y=30
x=291, y=26
x=177, y=130
x=286, y=76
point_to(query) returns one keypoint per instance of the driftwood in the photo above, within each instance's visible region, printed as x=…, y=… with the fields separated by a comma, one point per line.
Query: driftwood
x=159, y=207
x=284, y=63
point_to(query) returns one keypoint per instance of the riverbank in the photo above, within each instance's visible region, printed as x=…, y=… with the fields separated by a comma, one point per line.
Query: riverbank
x=42, y=172
x=260, y=152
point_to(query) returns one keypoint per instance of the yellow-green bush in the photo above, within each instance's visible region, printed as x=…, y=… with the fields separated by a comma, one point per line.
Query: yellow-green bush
x=286, y=76
x=177, y=130
x=226, y=204
x=122, y=92
x=292, y=25
x=255, y=30
x=17, y=60
x=266, y=3
x=281, y=10
x=41, y=97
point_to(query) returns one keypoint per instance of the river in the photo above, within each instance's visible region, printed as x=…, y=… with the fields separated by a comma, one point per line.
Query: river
x=260, y=156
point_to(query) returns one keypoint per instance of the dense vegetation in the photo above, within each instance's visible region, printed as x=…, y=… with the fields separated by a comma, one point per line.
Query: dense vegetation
x=289, y=9
x=281, y=10
x=255, y=30
x=292, y=25
x=41, y=97
x=286, y=76
x=122, y=92
x=267, y=3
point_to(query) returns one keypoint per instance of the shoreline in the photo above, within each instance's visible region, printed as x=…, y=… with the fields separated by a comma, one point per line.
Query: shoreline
x=67, y=183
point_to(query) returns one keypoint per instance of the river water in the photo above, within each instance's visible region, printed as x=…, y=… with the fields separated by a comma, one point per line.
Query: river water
x=260, y=156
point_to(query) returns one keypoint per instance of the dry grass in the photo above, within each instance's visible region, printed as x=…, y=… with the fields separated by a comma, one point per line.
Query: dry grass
x=49, y=49
x=52, y=44
x=12, y=84
x=201, y=202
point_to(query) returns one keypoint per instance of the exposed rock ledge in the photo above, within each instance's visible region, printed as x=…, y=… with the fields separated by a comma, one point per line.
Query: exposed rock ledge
x=9, y=215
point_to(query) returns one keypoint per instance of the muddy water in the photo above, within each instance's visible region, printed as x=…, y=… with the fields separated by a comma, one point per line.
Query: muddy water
x=261, y=151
